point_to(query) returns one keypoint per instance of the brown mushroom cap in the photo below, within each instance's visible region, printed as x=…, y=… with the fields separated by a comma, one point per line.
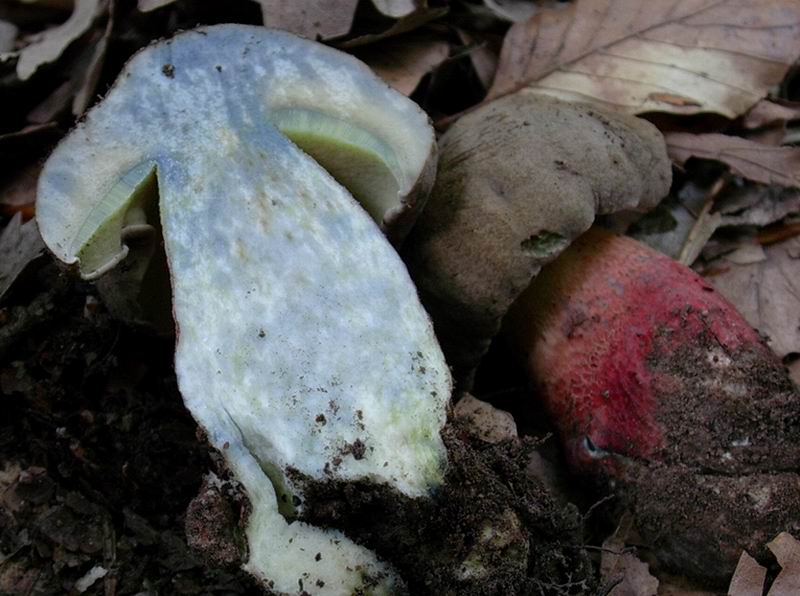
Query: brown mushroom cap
x=518, y=180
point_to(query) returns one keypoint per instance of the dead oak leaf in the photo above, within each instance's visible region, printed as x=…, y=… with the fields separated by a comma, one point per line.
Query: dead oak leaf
x=395, y=9
x=679, y=56
x=20, y=244
x=787, y=551
x=771, y=113
x=766, y=292
x=402, y=62
x=616, y=562
x=755, y=161
x=55, y=41
x=748, y=578
x=310, y=19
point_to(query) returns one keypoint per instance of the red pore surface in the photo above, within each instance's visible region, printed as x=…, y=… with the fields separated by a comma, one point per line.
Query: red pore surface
x=597, y=322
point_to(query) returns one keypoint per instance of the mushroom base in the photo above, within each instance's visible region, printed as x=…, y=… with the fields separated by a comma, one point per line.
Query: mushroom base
x=490, y=528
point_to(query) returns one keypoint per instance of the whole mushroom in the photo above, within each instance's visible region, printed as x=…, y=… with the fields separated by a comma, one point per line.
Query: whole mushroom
x=660, y=390
x=518, y=180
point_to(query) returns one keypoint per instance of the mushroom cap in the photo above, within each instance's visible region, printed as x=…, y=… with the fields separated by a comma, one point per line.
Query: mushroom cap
x=519, y=179
x=189, y=91
x=302, y=348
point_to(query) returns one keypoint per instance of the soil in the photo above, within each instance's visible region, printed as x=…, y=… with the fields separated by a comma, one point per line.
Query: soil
x=99, y=460
x=106, y=484
x=491, y=528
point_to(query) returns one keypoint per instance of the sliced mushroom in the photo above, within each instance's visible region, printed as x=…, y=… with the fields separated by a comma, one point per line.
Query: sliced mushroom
x=302, y=348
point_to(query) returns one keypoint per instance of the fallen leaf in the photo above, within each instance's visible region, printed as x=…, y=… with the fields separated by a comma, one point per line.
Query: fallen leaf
x=766, y=292
x=8, y=35
x=415, y=20
x=514, y=11
x=757, y=205
x=309, y=18
x=55, y=41
x=679, y=56
x=746, y=158
x=787, y=551
x=402, y=62
x=150, y=5
x=18, y=195
x=616, y=561
x=748, y=579
x=482, y=55
x=770, y=112
x=395, y=9
x=30, y=139
x=91, y=65
x=20, y=244
x=488, y=423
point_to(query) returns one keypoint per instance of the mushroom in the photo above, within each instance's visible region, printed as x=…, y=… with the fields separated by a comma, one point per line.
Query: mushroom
x=666, y=397
x=302, y=349
x=518, y=180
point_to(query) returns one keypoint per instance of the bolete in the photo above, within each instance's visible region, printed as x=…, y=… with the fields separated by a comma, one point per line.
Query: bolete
x=302, y=349
x=519, y=179
x=667, y=398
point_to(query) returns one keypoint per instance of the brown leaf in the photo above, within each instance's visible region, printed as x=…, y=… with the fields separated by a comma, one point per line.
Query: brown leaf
x=404, y=61
x=395, y=9
x=746, y=158
x=310, y=18
x=516, y=11
x=91, y=66
x=415, y=20
x=488, y=423
x=483, y=56
x=748, y=579
x=20, y=244
x=615, y=562
x=787, y=551
x=150, y=5
x=56, y=40
x=770, y=113
x=8, y=35
x=766, y=292
x=19, y=194
x=680, y=56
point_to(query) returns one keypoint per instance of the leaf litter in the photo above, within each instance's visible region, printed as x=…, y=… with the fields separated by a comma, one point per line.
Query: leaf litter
x=671, y=58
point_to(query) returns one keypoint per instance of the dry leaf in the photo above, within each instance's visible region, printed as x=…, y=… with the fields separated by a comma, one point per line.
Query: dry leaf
x=8, y=35
x=91, y=65
x=150, y=5
x=746, y=158
x=482, y=55
x=681, y=56
x=615, y=562
x=488, y=423
x=766, y=292
x=770, y=113
x=787, y=551
x=30, y=139
x=403, y=62
x=395, y=9
x=748, y=579
x=415, y=20
x=56, y=40
x=19, y=194
x=310, y=18
x=20, y=244
x=514, y=11
x=756, y=205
